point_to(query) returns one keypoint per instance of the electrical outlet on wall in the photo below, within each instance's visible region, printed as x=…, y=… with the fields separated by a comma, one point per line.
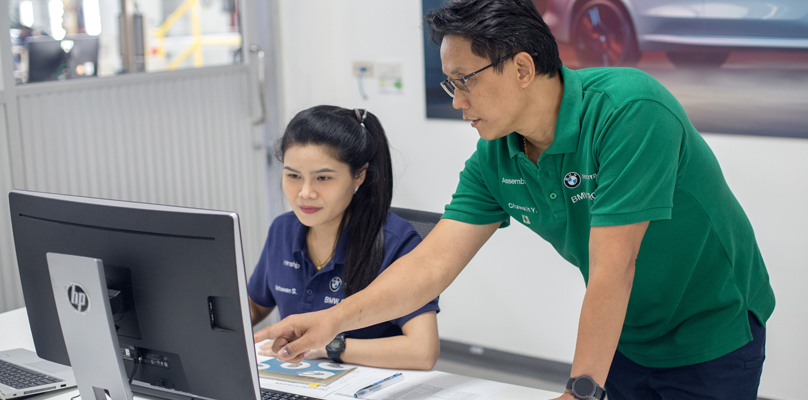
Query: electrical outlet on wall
x=365, y=68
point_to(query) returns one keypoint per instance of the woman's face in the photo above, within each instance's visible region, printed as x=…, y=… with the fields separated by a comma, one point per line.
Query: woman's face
x=318, y=187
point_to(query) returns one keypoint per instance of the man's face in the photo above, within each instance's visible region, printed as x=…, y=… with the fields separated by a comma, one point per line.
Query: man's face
x=491, y=100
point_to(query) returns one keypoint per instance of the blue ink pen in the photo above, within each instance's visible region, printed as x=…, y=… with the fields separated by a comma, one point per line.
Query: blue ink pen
x=398, y=377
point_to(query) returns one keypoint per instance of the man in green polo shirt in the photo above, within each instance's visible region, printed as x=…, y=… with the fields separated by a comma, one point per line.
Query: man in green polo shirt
x=605, y=165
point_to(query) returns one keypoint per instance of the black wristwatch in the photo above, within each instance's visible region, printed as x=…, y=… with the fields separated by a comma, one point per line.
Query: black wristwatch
x=583, y=387
x=335, y=348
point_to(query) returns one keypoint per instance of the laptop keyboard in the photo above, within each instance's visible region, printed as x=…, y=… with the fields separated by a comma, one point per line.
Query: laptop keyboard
x=21, y=378
x=269, y=394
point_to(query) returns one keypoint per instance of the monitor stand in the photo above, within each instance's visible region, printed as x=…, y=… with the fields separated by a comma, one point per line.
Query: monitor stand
x=82, y=302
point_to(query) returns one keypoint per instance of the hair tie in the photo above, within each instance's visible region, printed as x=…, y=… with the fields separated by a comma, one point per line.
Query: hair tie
x=361, y=117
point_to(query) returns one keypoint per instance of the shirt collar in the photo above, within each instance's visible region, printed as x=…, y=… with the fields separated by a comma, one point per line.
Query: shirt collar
x=342, y=246
x=299, y=244
x=568, y=124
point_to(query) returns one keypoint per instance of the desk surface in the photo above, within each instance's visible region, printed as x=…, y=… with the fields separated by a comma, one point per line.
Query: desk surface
x=16, y=333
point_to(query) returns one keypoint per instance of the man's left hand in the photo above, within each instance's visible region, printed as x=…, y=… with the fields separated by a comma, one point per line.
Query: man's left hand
x=566, y=396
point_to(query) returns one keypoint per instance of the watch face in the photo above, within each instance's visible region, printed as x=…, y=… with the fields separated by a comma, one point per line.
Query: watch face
x=334, y=345
x=583, y=387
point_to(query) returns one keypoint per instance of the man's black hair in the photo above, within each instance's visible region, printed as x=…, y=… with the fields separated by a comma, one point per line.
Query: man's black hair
x=497, y=28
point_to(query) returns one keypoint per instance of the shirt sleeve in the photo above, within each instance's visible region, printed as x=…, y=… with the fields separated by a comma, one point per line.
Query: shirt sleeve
x=406, y=245
x=472, y=202
x=258, y=287
x=638, y=156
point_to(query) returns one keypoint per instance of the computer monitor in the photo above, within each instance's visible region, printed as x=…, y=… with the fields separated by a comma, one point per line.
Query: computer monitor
x=176, y=280
x=70, y=58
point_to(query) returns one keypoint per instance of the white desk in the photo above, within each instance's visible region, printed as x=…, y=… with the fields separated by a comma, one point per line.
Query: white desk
x=16, y=333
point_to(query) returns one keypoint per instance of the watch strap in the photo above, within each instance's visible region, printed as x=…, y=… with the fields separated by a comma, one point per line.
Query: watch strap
x=600, y=394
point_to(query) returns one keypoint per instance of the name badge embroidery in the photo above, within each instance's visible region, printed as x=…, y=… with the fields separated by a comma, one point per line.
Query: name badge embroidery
x=286, y=290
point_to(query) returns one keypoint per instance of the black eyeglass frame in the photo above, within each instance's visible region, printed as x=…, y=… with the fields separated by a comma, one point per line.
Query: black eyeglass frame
x=449, y=84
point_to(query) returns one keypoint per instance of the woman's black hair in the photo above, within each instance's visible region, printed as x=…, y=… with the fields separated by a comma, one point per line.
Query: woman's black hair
x=355, y=143
x=497, y=28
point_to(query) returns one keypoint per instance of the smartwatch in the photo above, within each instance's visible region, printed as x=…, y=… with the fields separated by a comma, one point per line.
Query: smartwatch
x=335, y=348
x=583, y=387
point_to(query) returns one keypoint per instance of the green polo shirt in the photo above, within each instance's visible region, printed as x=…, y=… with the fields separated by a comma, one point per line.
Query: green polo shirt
x=625, y=152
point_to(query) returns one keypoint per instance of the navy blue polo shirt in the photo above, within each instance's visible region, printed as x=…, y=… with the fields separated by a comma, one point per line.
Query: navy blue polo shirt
x=286, y=277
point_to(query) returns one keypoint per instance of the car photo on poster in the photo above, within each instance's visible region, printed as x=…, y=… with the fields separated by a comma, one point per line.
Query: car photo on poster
x=693, y=33
x=738, y=67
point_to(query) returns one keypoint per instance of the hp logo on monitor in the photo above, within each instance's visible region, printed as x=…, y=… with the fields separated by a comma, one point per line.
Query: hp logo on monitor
x=78, y=298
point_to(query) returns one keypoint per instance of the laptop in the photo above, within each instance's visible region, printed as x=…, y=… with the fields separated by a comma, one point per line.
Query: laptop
x=22, y=373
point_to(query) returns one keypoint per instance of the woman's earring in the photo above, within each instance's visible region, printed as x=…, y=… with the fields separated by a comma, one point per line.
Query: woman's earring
x=356, y=189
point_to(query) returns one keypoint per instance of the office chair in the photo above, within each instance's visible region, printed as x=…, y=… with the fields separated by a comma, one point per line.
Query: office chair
x=422, y=221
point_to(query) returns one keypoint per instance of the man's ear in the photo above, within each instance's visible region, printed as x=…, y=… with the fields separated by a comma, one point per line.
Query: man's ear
x=525, y=68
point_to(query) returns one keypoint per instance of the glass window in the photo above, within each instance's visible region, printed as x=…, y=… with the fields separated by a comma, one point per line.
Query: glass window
x=73, y=39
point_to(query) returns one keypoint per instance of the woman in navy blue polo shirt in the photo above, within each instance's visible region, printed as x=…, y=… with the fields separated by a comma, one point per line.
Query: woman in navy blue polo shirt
x=340, y=235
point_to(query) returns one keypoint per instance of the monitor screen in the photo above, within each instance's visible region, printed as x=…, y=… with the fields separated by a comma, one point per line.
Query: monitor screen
x=176, y=282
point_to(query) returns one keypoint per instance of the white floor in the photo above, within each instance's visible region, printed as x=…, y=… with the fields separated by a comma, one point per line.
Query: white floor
x=499, y=376
x=495, y=375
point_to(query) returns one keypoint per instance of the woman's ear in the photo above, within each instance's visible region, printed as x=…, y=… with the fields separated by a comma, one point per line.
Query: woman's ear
x=360, y=176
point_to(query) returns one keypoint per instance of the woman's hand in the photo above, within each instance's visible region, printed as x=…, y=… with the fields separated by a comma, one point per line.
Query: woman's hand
x=317, y=354
x=265, y=349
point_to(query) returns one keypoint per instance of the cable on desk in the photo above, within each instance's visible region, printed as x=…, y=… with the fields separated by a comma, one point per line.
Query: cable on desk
x=134, y=370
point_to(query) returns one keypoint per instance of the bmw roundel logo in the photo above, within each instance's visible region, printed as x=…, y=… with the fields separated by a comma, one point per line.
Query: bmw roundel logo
x=335, y=284
x=572, y=180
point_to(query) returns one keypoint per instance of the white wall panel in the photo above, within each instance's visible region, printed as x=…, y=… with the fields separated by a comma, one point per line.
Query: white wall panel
x=178, y=139
x=10, y=290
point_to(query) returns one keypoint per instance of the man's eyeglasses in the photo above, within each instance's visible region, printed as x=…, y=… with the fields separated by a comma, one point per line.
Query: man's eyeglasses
x=450, y=85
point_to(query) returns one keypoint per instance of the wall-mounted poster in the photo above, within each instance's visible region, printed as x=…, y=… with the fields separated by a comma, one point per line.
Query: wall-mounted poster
x=737, y=66
x=438, y=103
